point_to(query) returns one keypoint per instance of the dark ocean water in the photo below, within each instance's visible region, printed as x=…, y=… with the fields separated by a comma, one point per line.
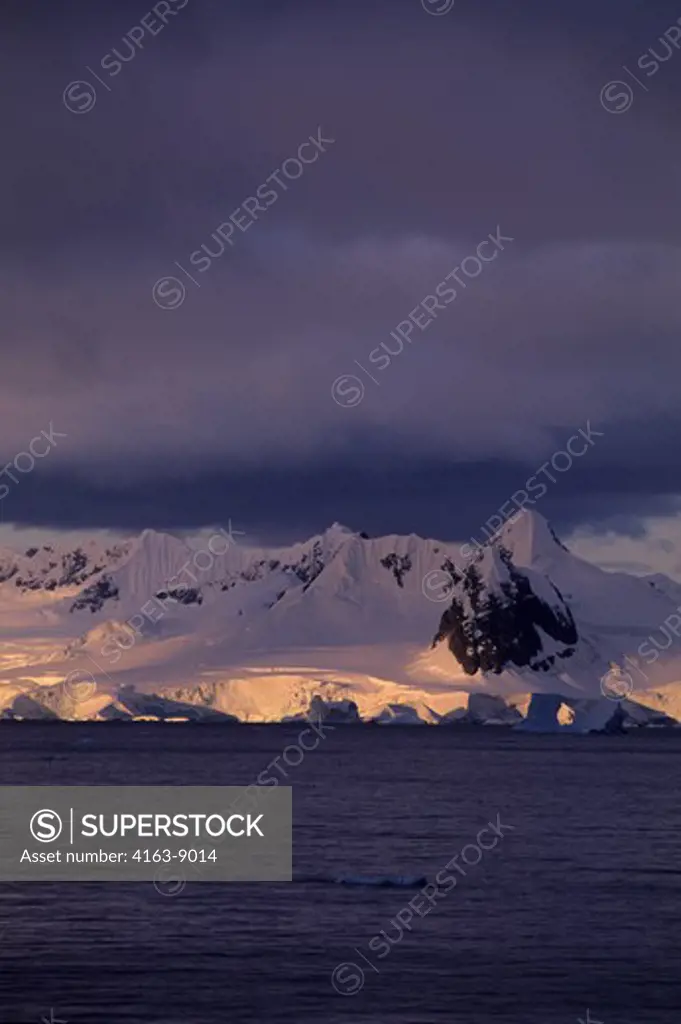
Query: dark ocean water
x=578, y=907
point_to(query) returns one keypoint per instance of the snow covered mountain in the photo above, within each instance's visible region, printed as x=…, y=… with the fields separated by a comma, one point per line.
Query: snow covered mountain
x=400, y=628
x=50, y=569
x=525, y=607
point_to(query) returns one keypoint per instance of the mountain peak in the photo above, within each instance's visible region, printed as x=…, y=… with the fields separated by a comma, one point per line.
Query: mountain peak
x=149, y=536
x=339, y=530
x=530, y=538
x=152, y=544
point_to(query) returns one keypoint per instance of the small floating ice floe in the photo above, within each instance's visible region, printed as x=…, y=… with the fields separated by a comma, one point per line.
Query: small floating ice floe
x=372, y=881
x=383, y=881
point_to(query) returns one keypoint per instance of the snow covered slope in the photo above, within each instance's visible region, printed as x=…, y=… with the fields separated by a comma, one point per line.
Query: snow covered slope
x=259, y=633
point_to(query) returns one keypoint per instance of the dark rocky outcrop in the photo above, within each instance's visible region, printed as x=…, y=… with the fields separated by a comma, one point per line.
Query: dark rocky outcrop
x=93, y=597
x=489, y=629
x=182, y=595
x=399, y=565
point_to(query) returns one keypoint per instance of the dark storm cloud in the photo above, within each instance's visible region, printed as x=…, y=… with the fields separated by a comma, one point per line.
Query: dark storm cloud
x=375, y=491
x=443, y=129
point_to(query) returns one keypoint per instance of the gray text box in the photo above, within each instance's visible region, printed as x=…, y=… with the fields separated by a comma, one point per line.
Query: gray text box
x=164, y=834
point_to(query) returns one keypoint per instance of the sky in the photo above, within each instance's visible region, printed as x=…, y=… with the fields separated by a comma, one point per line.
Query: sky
x=257, y=388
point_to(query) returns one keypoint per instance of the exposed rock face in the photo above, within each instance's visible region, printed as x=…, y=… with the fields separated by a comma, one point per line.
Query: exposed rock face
x=182, y=595
x=399, y=565
x=93, y=597
x=501, y=621
x=48, y=568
